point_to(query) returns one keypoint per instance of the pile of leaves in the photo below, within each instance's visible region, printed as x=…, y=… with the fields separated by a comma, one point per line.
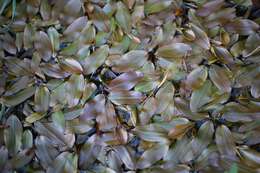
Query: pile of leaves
x=147, y=86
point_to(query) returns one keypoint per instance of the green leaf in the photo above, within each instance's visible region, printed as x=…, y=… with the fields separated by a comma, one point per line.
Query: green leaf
x=19, y=97
x=201, y=37
x=200, y=97
x=123, y=17
x=155, y=7
x=197, y=77
x=41, y=99
x=96, y=59
x=13, y=135
x=174, y=51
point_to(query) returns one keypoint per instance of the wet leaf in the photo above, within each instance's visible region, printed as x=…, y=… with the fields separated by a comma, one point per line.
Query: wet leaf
x=131, y=61
x=45, y=151
x=201, y=37
x=126, y=81
x=123, y=17
x=55, y=71
x=42, y=44
x=13, y=135
x=200, y=97
x=34, y=117
x=71, y=65
x=155, y=7
x=219, y=77
x=45, y=10
x=55, y=135
x=20, y=84
x=27, y=139
x=96, y=59
x=197, y=77
x=64, y=162
x=242, y=26
x=152, y=155
x=125, y=156
x=22, y=158
x=72, y=32
x=28, y=36
x=125, y=97
x=225, y=141
x=75, y=87
x=41, y=99
x=173, y=51
x=19, y=97
x=54, y=38
x=209, y=8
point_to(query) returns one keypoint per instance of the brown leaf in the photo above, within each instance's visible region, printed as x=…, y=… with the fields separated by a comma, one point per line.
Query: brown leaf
x=209, y=8
x=174, y=50
x=219, y=77
x=197, y=77
x=125, y=97
x=71, y=65
x=41, y=99
x=125, y=81
x=42, y=44
x=242, y=26
x=179, y=130
x=225, y=141
x=201, y=37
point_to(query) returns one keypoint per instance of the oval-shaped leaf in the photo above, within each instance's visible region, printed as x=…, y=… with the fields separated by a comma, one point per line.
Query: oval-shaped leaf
x=174, y=50
x=13, y=135
x=220, y=78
